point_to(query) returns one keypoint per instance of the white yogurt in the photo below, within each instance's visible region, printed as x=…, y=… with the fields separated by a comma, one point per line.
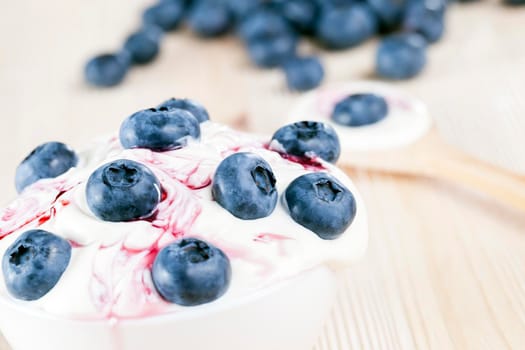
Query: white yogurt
x=407, y=119
x=109, y=273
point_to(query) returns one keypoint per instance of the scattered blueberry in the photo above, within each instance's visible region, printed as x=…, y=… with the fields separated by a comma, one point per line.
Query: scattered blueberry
x=360, y=109
x=301, y=14
x=167, y=15
x=34, y=263
x=389, y=13
x=191, y=272
x=514, y=2
x=209, y=18
x=242, y=8
x=303, y=73
x=307, y=139
x=340, y=28
x=195, y=108
x=426, y=17
x=106, y=70
x=271, y=52
x=123, y=190
x=263, y=24
x=143, y=46
x=160, y=129
x=48, y=160
x=244, y=185
x=319, y=202
x=401, y=56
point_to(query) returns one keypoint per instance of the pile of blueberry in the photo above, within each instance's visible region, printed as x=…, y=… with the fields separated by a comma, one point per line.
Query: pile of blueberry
x=270, y=30
x=188, y=271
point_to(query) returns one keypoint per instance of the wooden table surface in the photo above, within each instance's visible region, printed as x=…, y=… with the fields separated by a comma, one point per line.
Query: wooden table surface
x=445, y=268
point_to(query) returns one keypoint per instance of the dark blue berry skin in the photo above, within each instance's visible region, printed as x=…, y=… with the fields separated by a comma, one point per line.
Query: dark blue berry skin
x=143, y=46
x=514, y=2
x=195, y=108
x=106, y=70
x=426, y=17
x=322, y=204
x=340, y=28
x=360, y=109
x=209, y=18
x=166, y=15
x=34, y=263
x=191, y=272
x=272, y=52
x=307, y=139
x=244, y=185
x=401, y=56
x=303, y=73
x=123, y=190
x=263, y=24
x=48, y=160
x=160, y=129
x=389, y=13
x=301, y=14
x=240, y=9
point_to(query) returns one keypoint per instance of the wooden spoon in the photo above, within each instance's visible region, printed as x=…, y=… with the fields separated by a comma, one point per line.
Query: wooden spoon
x=432, y=157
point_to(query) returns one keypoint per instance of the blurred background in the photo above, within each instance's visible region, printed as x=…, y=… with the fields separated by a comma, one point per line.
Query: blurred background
x=437, y=276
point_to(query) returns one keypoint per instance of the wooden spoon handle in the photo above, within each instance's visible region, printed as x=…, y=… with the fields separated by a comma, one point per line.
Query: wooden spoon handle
x=448, y=163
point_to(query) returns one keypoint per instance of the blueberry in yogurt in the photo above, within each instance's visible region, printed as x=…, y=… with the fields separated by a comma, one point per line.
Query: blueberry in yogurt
x=160, y=129
x=308, y=139
x=34, y=263
x=191, y=272
x=360, y=109
x=322, y=204
x=244, y=184
x=48, y=160
x=123, y=190
x=401, y=56
x=192, y=106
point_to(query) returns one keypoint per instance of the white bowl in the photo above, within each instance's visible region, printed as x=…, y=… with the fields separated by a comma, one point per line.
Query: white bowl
x=287, y=316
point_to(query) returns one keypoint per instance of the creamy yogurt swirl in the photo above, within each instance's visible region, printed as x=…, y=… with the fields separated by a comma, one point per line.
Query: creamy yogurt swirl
x=109, y=273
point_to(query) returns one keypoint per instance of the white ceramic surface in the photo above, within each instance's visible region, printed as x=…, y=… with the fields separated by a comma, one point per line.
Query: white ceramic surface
x=287, y=316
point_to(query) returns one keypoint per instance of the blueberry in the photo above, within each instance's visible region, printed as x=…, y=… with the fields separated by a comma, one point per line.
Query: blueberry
x=301, y=14
x=307, y=139
x=389, y=13
x=209, y=18
x=143, y=46
x=191, y=272
x=48, y=160
x=426, y=17
x=345, y=27
x=244, y=185
x=34, y=263
x=401, y=56
x=514, y=2
x=195, y=108
x=271, y=52
x=303, y=73
x=263, y=24
x=167, y=15
x=106, y=70
x=123, y=190
x=240, y=9
x=360, y=109
x=322, y=204
x=160, y=129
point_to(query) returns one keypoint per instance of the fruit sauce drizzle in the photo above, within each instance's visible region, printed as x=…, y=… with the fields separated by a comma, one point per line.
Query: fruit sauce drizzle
x=120, y=285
